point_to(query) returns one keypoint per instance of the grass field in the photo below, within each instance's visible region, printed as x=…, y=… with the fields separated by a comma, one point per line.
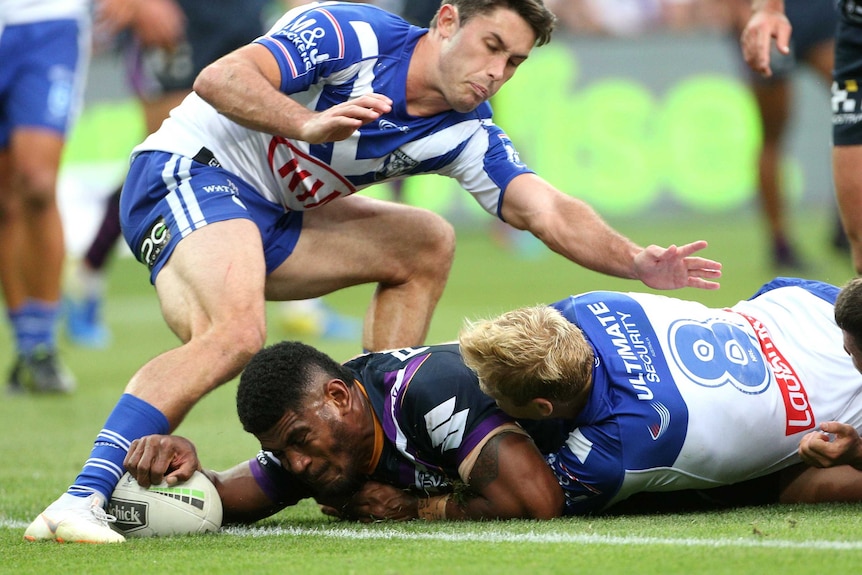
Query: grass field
x=47, y=438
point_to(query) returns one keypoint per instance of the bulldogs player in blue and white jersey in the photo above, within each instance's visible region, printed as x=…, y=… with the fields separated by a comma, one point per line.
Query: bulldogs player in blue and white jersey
x=412, y=421
x=661, y=394
x=246, y=193
x=45, y=52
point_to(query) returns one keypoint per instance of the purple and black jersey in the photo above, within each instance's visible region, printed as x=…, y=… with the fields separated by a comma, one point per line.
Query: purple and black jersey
x=432, y=413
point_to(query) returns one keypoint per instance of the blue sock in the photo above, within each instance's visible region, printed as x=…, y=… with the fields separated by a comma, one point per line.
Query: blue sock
x=131, y=419
x=34, y=325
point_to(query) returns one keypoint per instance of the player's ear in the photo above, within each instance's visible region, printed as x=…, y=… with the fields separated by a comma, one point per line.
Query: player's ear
x=544, y=407
x=447, y=20
x=338, y=393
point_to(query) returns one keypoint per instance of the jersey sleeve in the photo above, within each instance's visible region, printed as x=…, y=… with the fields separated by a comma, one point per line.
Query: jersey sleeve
x=488, y=163
x=589, y=471
x=275, y=481
x=447, y=417
x=310, y=44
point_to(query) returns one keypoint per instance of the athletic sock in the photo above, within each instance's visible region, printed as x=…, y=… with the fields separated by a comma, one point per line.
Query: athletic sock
x=34, y=325
x=131, y=419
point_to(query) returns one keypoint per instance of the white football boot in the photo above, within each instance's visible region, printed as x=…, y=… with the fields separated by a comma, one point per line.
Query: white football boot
x=73, y=519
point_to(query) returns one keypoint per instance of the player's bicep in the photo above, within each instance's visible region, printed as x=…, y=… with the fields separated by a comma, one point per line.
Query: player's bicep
x=512, y=477
x=259, y=58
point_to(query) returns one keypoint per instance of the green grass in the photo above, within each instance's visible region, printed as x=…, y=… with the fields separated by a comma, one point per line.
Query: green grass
x=46, y=439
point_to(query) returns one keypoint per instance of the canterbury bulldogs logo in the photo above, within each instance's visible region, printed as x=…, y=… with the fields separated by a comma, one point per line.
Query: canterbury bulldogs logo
x=398, y=163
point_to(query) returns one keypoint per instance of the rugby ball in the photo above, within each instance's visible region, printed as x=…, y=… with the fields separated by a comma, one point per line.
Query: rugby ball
x=190, y=507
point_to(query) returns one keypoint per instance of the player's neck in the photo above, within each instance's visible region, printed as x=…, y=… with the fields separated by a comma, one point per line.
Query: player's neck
x=423, y=98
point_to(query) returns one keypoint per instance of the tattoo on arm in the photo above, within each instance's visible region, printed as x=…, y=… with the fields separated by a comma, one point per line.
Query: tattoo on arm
x=487, y=467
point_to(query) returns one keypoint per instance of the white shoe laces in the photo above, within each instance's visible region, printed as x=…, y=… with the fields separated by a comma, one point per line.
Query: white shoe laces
x=103, y=516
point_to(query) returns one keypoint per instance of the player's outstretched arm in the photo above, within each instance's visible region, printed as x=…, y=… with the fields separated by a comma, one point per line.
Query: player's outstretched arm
x=834, y=444
x=509, y=480
x=573, y=229
x=243, y=86
x=174, y=459
x=767, y=23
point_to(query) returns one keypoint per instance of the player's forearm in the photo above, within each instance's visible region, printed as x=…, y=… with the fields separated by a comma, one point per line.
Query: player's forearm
x=469, y=506
x=580, y=235
x=243, y=501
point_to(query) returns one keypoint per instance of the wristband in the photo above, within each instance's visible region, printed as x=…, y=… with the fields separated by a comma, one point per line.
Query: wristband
x=432, y=508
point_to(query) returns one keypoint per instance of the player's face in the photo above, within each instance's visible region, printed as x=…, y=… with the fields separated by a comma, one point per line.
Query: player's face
x=316, y=446
x=480, y=56
x=852, y=348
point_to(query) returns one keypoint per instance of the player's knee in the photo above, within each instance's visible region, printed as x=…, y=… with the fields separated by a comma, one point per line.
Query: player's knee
x=36, y=188
x=436, y=245
x=236, y=343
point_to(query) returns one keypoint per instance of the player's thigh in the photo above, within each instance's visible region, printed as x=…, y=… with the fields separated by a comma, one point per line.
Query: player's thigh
x=215, y=277
x=821, y=59
x=773, y=101
x=35, y=154
x=358, y=240
x=848, y=186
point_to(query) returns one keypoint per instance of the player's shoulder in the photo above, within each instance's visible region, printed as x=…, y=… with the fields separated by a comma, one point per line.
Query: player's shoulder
x=312, y=21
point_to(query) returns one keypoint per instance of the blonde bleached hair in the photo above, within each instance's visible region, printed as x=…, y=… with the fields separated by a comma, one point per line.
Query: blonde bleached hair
x=528, y=353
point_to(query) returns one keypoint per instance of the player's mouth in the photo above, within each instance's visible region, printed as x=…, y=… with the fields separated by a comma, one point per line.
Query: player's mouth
x=480, y=90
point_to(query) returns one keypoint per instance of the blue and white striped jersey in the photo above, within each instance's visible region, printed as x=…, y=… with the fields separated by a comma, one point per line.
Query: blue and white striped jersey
x=330, y=53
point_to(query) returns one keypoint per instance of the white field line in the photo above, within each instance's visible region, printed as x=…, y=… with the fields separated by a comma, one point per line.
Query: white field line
x=492, y=536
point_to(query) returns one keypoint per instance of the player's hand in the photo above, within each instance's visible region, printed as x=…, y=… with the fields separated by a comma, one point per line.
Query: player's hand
x=377, y=502
x=156, y=458
x=834, y=444
x=159, y=24
x=341, y=121
x=763, y=27
x=156, y=23
x=674, y=267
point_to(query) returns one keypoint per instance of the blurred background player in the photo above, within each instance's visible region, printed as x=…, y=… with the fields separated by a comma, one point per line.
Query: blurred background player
x=812, y=44
x=44, y=55
x=167, y=43
x=769, y=30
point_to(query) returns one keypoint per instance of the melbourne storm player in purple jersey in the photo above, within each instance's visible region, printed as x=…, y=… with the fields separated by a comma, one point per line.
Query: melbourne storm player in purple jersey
x=246, y=193
x=413, y=420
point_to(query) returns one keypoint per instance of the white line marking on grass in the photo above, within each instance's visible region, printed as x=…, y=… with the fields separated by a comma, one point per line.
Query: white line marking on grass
x=506, y=537
x=497, y=536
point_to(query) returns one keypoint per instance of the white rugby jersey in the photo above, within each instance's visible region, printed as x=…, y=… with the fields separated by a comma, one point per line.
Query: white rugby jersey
x=27, y=11
x=330, y=53
x=686, y=396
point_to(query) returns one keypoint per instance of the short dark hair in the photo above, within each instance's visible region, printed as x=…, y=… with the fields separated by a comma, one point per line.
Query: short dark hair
x=848, y=309
x=278, y=379
x=534, y=12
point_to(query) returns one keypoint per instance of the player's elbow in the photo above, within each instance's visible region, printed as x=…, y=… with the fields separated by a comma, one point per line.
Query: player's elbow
x=547, y=503
x=207, y=81
x=538, y=501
